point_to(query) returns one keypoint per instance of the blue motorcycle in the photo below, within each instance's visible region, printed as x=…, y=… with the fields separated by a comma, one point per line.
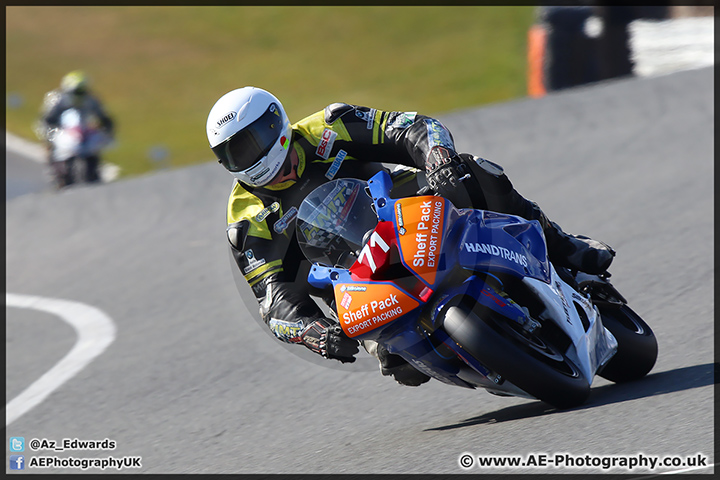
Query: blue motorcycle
x=469, y=297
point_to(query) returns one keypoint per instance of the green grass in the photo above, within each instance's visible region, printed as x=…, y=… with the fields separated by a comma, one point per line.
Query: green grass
x=160, y=69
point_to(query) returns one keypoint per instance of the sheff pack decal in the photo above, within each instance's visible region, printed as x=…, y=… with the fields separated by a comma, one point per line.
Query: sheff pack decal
x=361, y=311
x=423, y=219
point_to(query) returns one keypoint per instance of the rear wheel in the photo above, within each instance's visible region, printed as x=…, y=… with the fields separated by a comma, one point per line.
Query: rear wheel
x=637, y=345
x=525, y=359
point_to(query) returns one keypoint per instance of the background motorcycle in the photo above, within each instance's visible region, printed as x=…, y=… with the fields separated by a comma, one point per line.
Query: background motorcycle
x=466, y=296
x=77, y=137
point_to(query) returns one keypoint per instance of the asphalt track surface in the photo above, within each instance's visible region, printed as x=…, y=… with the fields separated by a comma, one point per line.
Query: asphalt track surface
x=24, y=176
x=192, y=383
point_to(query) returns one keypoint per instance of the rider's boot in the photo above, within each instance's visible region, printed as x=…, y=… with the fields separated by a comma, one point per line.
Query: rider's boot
x=576, y=252
x=395, y=365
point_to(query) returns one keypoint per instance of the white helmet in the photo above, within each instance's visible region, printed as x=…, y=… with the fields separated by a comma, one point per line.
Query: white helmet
x=249, y=132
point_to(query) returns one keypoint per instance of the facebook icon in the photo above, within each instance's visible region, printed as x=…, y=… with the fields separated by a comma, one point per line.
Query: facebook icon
x=17, y=462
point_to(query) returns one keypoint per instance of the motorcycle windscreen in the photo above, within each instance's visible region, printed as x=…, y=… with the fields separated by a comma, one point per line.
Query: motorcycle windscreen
x=333, y=221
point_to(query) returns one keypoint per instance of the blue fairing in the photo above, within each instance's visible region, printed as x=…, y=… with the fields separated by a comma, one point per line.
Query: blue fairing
x=479, y=241
x=496, y=242
x=490, y=241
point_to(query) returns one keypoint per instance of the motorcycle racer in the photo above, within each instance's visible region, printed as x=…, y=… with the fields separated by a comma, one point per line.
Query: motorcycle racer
x=277, y=163
x=74, y=93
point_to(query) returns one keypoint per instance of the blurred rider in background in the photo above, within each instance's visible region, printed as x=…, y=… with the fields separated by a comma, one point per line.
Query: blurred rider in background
x=277, y=164
x=93, y=123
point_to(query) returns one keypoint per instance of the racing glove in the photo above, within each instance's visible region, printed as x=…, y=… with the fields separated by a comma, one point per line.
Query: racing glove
x=443, y=167
x=327, y=338
x=446, y=174
x=466, y=180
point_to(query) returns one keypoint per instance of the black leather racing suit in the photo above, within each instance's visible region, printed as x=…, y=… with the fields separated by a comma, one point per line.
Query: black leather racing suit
x=340, y=141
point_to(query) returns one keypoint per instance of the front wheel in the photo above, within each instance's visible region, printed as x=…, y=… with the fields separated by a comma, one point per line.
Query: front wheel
x=637, y=346
x=522, y=358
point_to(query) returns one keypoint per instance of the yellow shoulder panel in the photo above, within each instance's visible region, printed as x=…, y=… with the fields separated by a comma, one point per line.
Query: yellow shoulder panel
x=312, y=128
x=243, y=205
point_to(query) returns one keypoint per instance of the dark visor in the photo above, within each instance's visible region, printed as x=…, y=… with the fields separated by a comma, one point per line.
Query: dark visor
x=246, y=147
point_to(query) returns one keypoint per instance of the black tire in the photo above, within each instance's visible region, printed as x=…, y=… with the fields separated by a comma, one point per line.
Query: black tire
x=525, y=360
x=637, y=345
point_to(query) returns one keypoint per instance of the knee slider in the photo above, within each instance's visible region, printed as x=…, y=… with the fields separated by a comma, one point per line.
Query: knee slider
x=489, y=167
